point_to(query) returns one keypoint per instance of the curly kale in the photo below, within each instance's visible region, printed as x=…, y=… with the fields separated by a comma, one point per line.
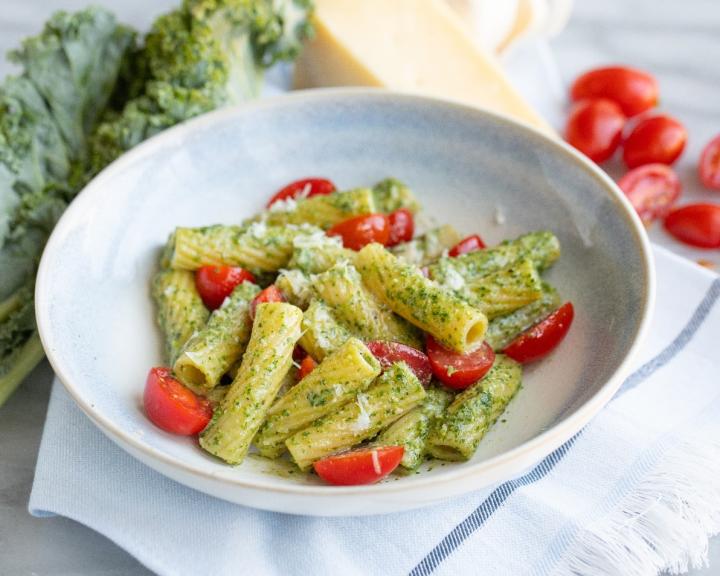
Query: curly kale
x=88, y=92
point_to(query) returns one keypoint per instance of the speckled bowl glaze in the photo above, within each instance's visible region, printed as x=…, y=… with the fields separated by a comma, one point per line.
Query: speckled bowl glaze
x=481, y=172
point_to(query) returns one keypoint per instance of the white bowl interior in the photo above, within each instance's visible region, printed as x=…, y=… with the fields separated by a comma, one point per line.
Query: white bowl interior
x=477, y=171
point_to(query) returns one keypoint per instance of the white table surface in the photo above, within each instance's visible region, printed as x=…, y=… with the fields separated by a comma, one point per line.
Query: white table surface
x=676, y=40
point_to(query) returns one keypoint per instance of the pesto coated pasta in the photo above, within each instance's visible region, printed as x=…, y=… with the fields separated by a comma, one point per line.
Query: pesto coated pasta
x=323, y=332
x=266, y=361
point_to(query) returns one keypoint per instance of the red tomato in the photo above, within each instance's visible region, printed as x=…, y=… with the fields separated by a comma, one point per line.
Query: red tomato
x=459, y=371
x=362, y=466
x=270, y=294
x=389, y=352
x=303, y=189
x=469, y=244
x=710, y=165
x=306, y=366
x=658, y=139
x=172, y=407
x=402, y=226
x=215, y=283
x=633, y=90
x=362, y=230
x=652, y=190
x=696, y=224
x=538, y=341
x=595, y=128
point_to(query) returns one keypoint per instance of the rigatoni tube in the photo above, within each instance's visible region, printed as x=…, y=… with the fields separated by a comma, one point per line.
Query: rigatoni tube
x=393, y=394
x=334, y=382
x=359, y=310
x=402, y=287
x=211, y=352
x=180, y=310
x=457, y=435
x=264, y=365
x=411, y=430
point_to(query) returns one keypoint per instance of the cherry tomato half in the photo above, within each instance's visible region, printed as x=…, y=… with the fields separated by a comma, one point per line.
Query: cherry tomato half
x=538, y=341
x=173, y=407
x=402, y=226
x=595, y=128
x=468, y=244
x=306, y=366
x=710, y=165
x=696, y=224
x=362, y=230
x=658, y=139
x=389, y=352
x=652, y=190
x=304, y=188
x=459, y=371
x=362, y=466
x=633, y=90
x=215, y=283
x=270, y=294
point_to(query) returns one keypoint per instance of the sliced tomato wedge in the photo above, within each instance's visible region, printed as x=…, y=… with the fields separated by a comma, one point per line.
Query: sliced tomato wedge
x=173, y=407
x=362, y=230
x=652, y=189
x=468, y=244
x=710, y=165
x=539, y=340
x=304, y=188
x=389, y=352
x=362, y=466
x=270, y=294
x=402, y=226
x=306, y=366
x=459, y=371
x=696, y=224
x=215, y=283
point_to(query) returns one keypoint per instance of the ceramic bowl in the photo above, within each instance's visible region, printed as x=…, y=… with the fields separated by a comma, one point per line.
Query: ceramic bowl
x=481, y=172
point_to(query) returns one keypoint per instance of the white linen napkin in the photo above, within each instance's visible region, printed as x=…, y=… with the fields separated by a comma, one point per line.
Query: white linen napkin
x=635, y=492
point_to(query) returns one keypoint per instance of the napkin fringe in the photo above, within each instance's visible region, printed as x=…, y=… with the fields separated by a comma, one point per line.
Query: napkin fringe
x=664, y=524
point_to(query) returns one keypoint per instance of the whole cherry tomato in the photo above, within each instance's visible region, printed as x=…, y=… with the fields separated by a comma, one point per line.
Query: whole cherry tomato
x=362, y=230
x=215, y=283
x=658, y=139
x=467, y=244
x=304, y=188
x=173, y=407
x=696, y=224
x=633, y=90
x=402, y=226
x=652, y=190
x=539, y=340
x=595, y=128
x=710, y=165
x=361, y=466
x=456, y=370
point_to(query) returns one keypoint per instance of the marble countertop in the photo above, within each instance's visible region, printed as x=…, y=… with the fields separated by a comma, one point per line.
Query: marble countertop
x=677, y=41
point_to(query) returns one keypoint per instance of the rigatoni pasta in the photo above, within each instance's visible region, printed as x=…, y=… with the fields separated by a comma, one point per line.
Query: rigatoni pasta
x=336, y=381
x=394, y=393
x=362, y=337
x=180, y=311
x=211, y=351
x=266, y=361
x=404, y=289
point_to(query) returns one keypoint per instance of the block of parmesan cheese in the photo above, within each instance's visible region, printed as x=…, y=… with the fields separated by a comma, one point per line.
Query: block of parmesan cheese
x=417, y=46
